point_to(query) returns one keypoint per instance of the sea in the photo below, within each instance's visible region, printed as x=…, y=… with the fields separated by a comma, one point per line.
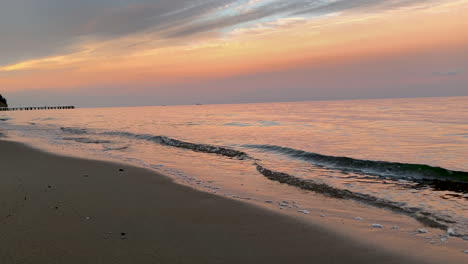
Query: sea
x=407, y=156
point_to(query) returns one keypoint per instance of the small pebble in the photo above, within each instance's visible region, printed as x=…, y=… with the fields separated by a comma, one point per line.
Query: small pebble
x=451, y=232
x=395, y=227
x=444, y=238
x=322, y=215
x=465, y=238
x=269, y=201
x=433, y=242
x=422, y=231
x=121, y=169
x=123, y=235
x=304, y=211
x=466, y=251
x=358, y=219
x=88, y=218
x=377, y=226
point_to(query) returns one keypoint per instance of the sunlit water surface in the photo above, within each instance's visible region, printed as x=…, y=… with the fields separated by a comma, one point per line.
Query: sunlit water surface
x=372, y=151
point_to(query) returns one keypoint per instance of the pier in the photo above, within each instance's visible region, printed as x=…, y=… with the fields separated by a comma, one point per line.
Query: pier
x=36, y=108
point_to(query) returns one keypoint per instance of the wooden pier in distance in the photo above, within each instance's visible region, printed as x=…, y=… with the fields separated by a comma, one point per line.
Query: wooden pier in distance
x=29, y=108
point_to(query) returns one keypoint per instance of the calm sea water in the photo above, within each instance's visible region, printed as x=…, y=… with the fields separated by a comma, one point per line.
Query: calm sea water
x=407, y=155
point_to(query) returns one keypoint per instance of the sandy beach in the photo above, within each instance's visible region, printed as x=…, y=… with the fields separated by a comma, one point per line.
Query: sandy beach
x=64, y=210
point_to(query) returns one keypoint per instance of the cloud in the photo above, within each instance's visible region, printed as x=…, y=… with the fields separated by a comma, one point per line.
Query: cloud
x=37, y=28
x=324, y=7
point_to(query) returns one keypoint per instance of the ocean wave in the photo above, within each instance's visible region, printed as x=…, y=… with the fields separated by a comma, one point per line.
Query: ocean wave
x=378, y=168
x=426, y=218
x=342, y=163
x=73, y=130
x=237, y=124
x=116, y=148
x=268, y=123
x=87, y=140
x=232, y=153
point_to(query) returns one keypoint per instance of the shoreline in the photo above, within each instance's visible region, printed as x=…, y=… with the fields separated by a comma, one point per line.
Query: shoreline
x=59, y=209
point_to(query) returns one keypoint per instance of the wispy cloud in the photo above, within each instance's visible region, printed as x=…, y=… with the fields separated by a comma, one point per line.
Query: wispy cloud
x=35, y=28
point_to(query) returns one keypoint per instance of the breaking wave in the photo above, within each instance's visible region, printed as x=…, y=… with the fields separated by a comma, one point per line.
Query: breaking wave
x=447, y=178
x=75, y=131
x=160, y=140
x=87, y=140
x=379, y=168
x=425, y=218
x=184, y=145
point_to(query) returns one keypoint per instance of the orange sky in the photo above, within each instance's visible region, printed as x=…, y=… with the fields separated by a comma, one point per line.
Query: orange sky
x=146, y=58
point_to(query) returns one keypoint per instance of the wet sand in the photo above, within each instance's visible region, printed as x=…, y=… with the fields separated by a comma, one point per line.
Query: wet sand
x=56, y=209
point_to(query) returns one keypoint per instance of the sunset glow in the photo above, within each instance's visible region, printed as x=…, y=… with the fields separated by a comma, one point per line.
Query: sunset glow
x=157, y=56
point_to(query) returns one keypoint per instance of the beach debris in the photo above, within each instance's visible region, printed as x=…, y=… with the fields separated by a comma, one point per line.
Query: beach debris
x=269, y=201
x=86, y=175
x=304, y=211
x=466, y=251
x=433, y=242
x=56, y=207
x=48, y=186
x=121, y=170
x=451, y=232
x=395, y=227
x=322, y=215
x=88, y=218
x=377, y=226
x=422, y=231
x=358, y=219
x=123, y=235
x=465, y=238
x=444, y=238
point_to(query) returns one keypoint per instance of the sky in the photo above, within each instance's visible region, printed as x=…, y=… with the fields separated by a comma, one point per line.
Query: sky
x=100, y=53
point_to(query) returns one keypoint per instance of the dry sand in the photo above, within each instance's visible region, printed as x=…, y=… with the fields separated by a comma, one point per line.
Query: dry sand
x=57, y=209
